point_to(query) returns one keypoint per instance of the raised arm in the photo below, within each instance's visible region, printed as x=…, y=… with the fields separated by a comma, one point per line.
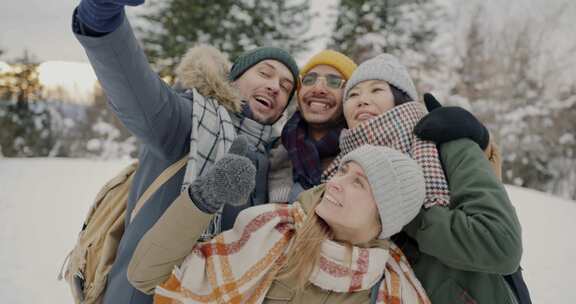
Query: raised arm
x=480, y=230
x=146, y=105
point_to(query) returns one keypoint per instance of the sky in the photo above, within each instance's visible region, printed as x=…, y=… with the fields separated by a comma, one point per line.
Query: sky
x=45, y=31
x=40, y=26
x=43, y=28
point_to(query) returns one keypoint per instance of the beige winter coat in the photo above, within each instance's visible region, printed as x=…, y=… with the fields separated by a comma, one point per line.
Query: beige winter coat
x=171, y=239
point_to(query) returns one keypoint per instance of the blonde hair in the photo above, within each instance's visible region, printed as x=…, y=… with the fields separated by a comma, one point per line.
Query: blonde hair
x=308, y=242
x=305, y=251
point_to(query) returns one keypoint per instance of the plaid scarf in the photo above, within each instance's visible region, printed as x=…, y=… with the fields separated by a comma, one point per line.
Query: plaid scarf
x=394, y=128
x=306, y=153
x=212, y=134
x=239, y=265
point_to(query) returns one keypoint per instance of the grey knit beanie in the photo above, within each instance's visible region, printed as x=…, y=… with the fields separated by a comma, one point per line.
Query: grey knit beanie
x=383, y=67
x=397, y=183
x=252, y=57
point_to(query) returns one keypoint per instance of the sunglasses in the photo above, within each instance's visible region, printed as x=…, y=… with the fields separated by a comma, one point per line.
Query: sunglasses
x=332, y=81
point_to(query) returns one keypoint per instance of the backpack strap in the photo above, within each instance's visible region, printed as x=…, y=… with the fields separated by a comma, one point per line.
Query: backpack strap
x=518, y=287
x=167, y=174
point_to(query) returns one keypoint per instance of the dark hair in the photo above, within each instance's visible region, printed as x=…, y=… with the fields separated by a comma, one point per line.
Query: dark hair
x=400, y=96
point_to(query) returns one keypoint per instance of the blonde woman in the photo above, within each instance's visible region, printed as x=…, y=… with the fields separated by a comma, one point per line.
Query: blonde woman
x=467, y=236
x=331, y=246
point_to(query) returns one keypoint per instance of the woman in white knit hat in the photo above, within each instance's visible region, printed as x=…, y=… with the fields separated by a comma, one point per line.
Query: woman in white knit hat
x=467, y=236
x=331, y=246
x=381, y=108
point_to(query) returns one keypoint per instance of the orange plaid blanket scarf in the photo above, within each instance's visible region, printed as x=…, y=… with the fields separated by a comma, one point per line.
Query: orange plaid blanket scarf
x=239, y=265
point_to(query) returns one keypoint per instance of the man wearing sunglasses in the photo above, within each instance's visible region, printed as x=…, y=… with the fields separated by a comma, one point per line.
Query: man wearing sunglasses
x=309, y=139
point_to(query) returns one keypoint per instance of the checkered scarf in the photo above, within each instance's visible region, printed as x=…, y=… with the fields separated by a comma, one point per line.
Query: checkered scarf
x=213, y=131
x=394, y=128
x=239, y=265
x=306, y=153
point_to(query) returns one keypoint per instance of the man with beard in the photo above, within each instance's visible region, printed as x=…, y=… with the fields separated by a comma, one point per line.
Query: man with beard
x=309, y=139
x=193, y=127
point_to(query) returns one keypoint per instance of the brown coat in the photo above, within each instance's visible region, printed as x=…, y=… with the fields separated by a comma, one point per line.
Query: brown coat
x=172, y=238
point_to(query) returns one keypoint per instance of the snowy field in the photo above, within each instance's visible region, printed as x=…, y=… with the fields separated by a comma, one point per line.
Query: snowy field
x=43, y=203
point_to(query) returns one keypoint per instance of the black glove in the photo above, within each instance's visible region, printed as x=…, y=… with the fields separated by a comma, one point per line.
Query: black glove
x=445, y=124
x=229, y=181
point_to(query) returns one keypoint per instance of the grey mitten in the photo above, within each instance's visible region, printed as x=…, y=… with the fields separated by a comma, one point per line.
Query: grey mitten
x=240, y=146
x=229, y=181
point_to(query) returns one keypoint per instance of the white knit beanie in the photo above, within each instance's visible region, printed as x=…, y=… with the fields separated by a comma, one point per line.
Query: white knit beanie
x=397, y=183
x=383, y=67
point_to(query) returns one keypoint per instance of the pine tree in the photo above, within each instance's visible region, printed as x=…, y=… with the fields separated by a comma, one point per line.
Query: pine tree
x=518, y=89
x=475, y=65
x=106, y=137
x=365, y=28
x=407, y=29
x=25, y=122
x=231, y=26
x=21, y=83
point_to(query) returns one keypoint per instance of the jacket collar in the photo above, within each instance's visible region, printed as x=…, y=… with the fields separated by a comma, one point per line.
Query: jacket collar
x=206, y=69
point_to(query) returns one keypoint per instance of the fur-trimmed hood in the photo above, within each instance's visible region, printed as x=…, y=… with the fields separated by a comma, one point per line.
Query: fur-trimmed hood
x=206, y=69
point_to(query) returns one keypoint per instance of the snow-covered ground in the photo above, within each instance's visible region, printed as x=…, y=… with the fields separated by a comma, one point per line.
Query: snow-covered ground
x=43, y=203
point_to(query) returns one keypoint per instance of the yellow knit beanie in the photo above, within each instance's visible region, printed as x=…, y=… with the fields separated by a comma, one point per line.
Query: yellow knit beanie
x=337, y=60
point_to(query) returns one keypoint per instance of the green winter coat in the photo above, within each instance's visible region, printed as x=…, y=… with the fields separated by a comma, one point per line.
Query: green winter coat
x=464, y=250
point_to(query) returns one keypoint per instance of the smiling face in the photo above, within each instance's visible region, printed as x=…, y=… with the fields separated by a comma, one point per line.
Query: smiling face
x=266, y=87
x=367, y=100
x=320, y=103
x=348, y=206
